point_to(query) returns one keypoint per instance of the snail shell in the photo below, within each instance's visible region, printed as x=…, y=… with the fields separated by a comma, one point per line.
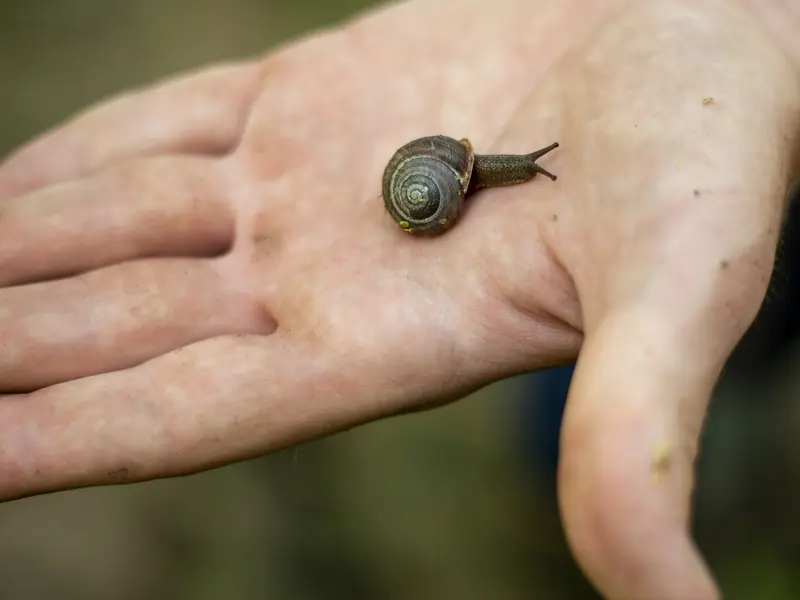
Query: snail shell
x=425, y=182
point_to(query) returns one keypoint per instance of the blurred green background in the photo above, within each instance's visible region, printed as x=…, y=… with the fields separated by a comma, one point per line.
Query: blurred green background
x=437, y=505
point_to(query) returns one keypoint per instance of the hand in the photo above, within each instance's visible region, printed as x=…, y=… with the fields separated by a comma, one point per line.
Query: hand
x=203, y=272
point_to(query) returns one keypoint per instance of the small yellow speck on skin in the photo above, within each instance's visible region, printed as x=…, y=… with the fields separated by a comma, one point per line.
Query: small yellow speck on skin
x=404, y=224
x=409, y=230
x=442, y=221
x=707, y=101
x=661, y=461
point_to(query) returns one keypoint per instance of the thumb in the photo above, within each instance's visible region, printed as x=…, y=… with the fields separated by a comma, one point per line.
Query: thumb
x=634, y=416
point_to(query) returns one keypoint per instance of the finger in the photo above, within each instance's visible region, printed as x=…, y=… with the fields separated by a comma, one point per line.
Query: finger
x=633, y=421
x=625, y=479
x=198, y=113
x=150, y=207
x=115, y=318
x=221, y=400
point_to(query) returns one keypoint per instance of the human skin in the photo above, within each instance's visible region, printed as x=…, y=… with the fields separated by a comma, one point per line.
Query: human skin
x=229, y=283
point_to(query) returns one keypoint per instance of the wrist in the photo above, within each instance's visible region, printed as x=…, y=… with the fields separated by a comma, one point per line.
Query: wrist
x=781, y=20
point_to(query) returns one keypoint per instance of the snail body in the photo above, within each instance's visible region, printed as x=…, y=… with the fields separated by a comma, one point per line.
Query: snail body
x=427, y=180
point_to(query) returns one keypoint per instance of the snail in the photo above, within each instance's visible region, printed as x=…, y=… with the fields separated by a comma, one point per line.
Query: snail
x=427, y=180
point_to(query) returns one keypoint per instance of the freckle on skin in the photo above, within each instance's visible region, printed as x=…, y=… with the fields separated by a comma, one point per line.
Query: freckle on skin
x=554, y=218
x=723, y=264
x=265, y=244
x=696, y=192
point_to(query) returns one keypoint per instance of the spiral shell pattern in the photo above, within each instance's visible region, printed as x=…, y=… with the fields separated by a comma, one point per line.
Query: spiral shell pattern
x=425, y=182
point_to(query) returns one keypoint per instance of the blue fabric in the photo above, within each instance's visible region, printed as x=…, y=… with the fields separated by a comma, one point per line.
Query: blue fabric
x=544, y=398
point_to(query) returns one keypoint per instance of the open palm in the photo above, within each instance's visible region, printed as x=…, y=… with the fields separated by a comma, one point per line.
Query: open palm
x=204, y=271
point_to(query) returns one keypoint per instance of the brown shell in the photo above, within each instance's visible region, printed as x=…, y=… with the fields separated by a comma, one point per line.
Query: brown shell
x=425, y=182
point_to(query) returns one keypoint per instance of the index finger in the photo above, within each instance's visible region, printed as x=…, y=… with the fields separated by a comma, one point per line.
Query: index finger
x=197, y=113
